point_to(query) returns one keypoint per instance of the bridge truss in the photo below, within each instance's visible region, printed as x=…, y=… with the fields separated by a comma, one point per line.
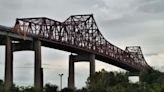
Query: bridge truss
x=80, y=31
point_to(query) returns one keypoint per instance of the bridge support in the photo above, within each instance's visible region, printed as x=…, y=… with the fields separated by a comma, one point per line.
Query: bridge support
x=8, y=64
x=92, y=64
x=78, y=58
x=38, y=73
x=71, y=75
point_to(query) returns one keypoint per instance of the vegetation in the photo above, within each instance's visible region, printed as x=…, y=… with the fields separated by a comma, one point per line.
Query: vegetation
x=1, y=86
x=103, y=81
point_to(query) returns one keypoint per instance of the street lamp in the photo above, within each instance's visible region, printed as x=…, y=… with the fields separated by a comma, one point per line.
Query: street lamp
x=61, y=80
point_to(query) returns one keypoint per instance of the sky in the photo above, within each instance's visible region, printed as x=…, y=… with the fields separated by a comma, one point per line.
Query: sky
x=122, y=22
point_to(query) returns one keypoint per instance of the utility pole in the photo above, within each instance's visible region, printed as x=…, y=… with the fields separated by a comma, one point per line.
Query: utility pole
x=61, y=75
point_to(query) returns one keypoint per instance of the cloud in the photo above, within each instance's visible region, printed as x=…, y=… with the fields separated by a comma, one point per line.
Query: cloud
x=81, y=73
x=2, y=61
x=161, y=68
x=101, y=65
x=23, y=76
x=54, y=54
x=151, y=54
x=156, y=61
x=152, y=6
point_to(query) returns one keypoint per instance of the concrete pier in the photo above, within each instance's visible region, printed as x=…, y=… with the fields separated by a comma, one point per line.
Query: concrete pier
x=79, y=58
x=37, y=67
x=42, y=78
x=71, y=75
x=92, y=64
x=8, y=64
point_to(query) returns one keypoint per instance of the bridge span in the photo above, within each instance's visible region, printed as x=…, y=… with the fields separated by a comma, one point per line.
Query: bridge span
x=79, y=34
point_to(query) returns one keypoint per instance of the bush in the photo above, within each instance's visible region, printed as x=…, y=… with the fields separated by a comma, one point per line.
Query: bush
x=67, y=90
x=50, y=88
x=1, y=86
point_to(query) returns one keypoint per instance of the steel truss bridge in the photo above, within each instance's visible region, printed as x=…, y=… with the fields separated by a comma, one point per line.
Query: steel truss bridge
x=78, y=34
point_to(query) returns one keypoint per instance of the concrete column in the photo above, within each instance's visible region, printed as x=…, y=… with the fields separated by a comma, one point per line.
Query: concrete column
x=8, y=64
x=71, y=75
x=92, y=64
x=42, y=78
x=37, y=70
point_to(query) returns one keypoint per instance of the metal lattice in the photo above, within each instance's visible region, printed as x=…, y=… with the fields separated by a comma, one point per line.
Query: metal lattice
x=80, y=31
x=136, y=54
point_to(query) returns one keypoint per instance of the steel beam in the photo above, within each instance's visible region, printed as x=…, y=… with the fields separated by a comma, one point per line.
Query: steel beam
x=23, y=45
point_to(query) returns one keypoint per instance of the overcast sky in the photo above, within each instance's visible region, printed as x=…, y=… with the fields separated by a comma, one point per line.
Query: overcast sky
x=122, y=22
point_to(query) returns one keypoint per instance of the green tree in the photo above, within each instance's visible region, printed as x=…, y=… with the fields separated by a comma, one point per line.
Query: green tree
x=82, y=90
x=150, y=76
x=28, y=89
x=1, y=86
x=50, y=88
x=67, y=90
x=101, y=81
x=14, y=88
x=153, y=79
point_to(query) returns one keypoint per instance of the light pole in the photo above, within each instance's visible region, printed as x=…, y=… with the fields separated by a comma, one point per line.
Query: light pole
x=61, y=75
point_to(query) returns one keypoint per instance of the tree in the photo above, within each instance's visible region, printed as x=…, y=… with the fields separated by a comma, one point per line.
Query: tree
x=67, y=90
x=1, y=86
x=50, y=88
x=82, y=90
x=14, y=88
x=28, y=89
x=101, y=81
x=150, y=76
